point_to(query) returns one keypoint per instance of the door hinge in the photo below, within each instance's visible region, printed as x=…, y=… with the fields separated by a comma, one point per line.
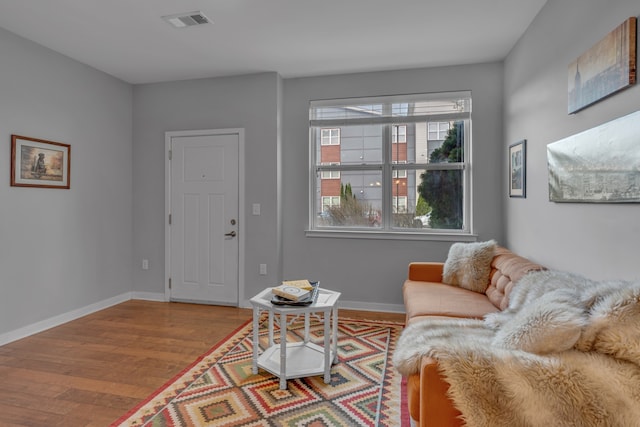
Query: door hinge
x=169, y=282
x=170, y=154
x=169, y=219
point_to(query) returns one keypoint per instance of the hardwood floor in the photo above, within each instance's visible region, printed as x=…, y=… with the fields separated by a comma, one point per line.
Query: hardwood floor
x=91, y=371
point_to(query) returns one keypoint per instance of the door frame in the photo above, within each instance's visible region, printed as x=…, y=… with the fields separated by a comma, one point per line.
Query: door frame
x=168, y=136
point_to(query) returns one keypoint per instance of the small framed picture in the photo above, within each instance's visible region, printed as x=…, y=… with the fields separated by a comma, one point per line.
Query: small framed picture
x=39, y=163
x=518, y=169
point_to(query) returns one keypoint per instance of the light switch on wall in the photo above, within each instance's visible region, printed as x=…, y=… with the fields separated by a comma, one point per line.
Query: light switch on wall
x=256, y=208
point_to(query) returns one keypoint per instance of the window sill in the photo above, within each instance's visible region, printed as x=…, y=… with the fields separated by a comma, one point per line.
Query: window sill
x=392, y=235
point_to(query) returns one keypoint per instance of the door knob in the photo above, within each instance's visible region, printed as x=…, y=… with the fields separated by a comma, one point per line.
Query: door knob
x=231, y=234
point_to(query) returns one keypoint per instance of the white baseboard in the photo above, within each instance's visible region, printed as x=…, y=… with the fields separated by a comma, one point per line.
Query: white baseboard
x=58, y=320
x=149, y=296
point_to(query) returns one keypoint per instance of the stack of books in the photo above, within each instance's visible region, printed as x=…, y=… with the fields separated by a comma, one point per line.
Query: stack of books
x=295, y=292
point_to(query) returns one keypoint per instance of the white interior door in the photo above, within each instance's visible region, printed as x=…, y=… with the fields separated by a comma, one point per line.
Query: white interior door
x=204, y=226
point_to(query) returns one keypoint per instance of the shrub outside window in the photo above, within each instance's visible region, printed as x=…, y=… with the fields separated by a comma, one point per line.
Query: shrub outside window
x=391, y=164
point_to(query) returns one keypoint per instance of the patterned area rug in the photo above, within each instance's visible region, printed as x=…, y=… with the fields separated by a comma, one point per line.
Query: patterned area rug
x=219, y=389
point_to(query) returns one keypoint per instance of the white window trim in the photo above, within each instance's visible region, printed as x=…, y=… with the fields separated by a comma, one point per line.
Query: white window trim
x=401, y=204
x=446, y=236
x=437, y=131
x=467, y=234
x=395, y=140
x=331, y=204
x=330, y=172
x=331, y=139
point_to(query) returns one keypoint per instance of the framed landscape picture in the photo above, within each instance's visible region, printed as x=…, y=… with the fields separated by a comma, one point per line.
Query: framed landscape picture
x=517, y=169
x=598, y=165
x=606, y=68
x=39, y=163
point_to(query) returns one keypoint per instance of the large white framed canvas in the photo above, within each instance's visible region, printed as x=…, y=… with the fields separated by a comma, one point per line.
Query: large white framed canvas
x=599, y=165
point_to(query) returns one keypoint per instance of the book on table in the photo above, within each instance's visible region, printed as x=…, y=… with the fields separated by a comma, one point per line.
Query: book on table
x=296, y=292
x=293, y=289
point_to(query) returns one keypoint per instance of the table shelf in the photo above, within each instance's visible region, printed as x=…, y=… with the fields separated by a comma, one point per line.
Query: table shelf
x=303, y=360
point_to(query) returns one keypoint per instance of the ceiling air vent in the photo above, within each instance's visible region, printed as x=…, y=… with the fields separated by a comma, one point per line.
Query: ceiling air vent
x=183, y=20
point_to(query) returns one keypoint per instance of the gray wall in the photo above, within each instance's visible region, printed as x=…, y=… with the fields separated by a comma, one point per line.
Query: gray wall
x=250, y=102
x=65, y=250
x=369, y=273
x=255, y=103
x=62, y=250
x=595, y=240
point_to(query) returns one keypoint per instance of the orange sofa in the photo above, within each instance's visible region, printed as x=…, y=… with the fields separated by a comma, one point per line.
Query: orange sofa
x=426, y=296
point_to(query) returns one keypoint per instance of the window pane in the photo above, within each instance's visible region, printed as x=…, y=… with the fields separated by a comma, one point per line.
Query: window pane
x=451, y=149
x=428, y=199
x=330, y=136
x=331, y=175
x=356, y=200
x=443, y=129
x=403, y=199
x=408, y=208
x=399, y=133
x=442, y=191
x=444, y=145
x=361, y=144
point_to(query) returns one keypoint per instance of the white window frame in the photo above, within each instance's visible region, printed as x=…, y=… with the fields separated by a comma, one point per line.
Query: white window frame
x=439, y=131
x=331, y=174
x=389, y=168
x=399, y=204
x=395, y=133
x=330, y=140
x=333, y=201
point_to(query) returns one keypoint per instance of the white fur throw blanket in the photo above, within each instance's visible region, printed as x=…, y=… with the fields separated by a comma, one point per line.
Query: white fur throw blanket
x=566, y=352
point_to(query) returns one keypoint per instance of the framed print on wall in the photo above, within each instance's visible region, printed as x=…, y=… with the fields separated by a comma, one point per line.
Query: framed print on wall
x=606, y=68
x=39, y=163
x=598, y=165
x=518, y=169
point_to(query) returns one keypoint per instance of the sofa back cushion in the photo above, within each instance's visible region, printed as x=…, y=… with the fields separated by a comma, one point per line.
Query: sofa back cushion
x=506, y=269
x=468, y=265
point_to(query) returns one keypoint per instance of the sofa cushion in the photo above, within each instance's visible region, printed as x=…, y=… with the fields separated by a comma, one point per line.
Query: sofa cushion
x=438, y=299
x=506, y=269
x=468, y=265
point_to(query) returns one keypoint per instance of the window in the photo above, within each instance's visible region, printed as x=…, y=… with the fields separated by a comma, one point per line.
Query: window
x=402, y=173
x=399, y=134
x=399, y=204
x=330, y=136
x=331, y=174
x=392, y=164
x=330, y=201
x=438, y=130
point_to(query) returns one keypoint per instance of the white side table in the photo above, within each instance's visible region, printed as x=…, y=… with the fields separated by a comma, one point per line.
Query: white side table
x=296, y=359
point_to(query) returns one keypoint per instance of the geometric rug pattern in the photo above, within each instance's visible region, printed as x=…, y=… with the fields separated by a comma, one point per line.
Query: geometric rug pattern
x=219, y=389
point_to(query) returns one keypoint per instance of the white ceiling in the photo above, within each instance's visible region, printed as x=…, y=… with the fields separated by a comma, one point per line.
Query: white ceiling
x=129, y=40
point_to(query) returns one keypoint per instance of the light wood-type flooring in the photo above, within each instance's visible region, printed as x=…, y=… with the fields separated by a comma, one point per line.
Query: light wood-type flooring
x=93, y=370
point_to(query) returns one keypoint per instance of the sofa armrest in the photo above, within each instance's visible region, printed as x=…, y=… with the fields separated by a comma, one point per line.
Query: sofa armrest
x=436, y=409
x=426, y=271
